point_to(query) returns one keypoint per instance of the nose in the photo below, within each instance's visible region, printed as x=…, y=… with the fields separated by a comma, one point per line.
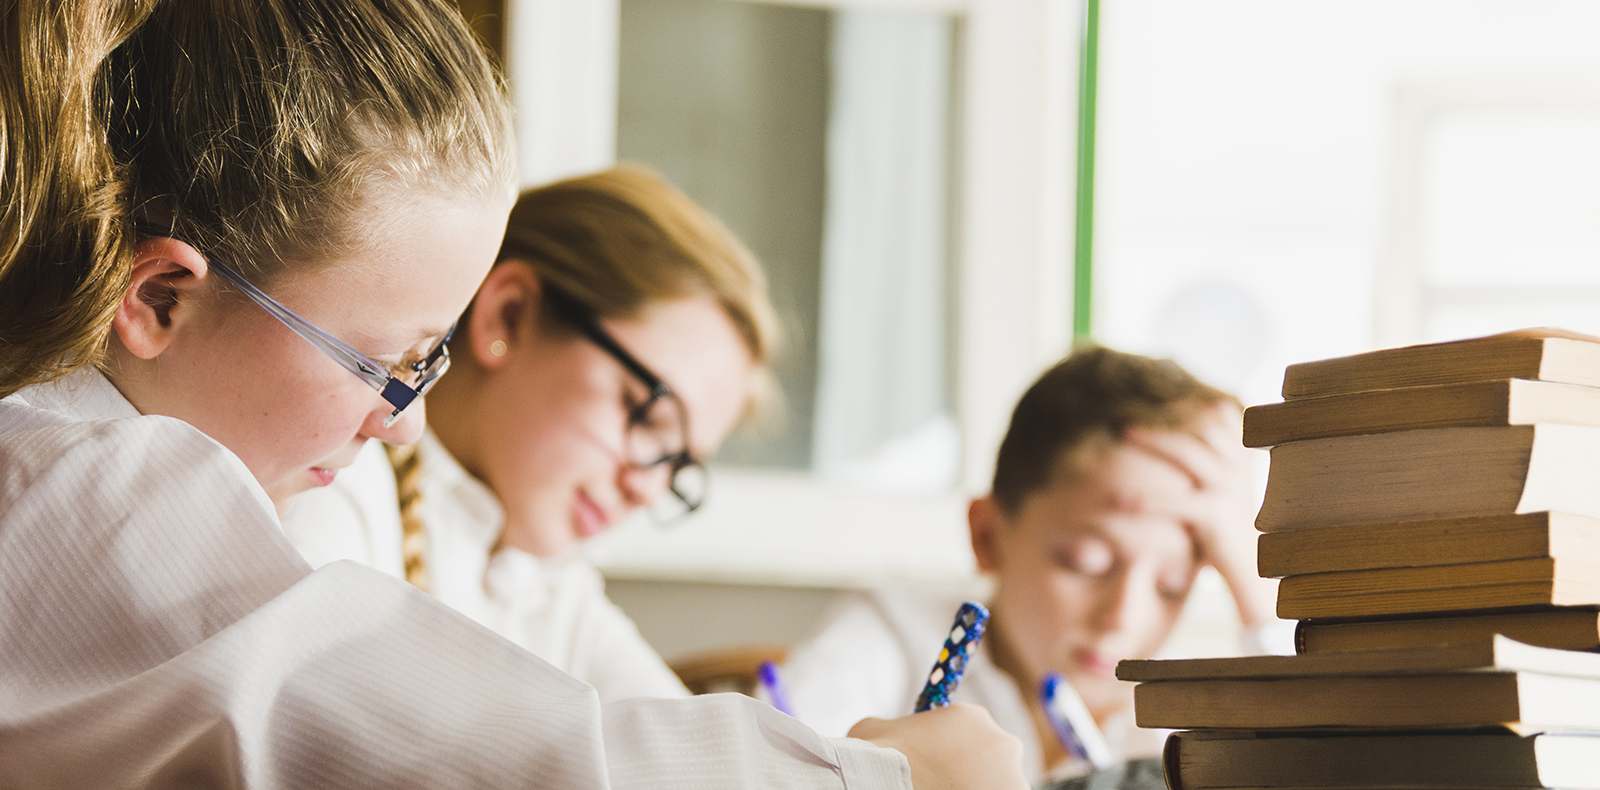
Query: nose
x=405, y=430
x=642, y=486
x=1123, y=599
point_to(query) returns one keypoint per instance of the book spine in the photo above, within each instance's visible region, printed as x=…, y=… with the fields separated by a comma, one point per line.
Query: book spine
x=1169, y=762
x=1300, y=637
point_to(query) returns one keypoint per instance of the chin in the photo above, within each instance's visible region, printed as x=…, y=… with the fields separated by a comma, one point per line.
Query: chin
x=284, y=493
x=282, y=503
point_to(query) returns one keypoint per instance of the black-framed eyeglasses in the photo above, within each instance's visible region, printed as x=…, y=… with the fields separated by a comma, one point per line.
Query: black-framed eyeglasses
x=414, y=379
x=657, y=432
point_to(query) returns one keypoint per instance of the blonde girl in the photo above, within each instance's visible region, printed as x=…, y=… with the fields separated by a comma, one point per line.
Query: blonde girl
x=621, y=334
x=233, y=236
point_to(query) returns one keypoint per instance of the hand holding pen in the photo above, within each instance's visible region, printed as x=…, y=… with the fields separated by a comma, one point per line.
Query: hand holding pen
x=951, y=747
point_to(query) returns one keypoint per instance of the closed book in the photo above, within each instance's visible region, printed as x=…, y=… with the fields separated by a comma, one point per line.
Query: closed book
x=1496, y=682
x=1432, y=473
x=1493, y=654
x=1440, y=588
x=1497, y=758
x=1476, y=403
x=1546, y=354
x=1440, y=542
x=1523, y=701
x=1563, y=628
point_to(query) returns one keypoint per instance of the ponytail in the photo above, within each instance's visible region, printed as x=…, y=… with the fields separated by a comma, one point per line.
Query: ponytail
x=261, y=131
x=406, y=462
x=66, y=238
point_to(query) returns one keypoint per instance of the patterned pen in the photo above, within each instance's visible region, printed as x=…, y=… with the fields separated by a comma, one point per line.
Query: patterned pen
x=964, y=636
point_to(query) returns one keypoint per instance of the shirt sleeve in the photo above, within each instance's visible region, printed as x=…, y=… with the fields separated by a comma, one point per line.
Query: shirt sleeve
x=160, y=632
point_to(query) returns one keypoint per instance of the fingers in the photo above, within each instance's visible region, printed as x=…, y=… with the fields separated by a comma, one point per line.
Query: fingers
x=867, y=729
x=1209, y=448
x=1199, y=460
x=958, y=747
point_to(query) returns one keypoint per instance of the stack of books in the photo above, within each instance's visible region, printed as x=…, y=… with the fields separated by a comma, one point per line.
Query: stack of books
x=1423, y=505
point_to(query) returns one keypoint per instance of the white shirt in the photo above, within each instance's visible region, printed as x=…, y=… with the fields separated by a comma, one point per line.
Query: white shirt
x=556, y=609
x=157, y=630
x=875, y=649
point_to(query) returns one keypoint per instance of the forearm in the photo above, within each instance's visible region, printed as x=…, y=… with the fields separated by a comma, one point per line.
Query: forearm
x=1256, y=597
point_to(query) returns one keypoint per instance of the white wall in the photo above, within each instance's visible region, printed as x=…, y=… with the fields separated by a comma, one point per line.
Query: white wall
x=1247, y=162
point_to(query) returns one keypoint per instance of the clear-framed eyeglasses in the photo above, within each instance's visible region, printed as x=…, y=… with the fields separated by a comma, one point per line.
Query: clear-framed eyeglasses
x=400, y=388
x=657, y=433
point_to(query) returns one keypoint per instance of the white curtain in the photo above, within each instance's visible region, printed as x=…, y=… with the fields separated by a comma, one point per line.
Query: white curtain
x=883, y=395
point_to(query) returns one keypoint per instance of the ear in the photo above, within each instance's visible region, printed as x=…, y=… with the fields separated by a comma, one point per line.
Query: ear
x=506, y=311
x=167, y=273
x=985, y=521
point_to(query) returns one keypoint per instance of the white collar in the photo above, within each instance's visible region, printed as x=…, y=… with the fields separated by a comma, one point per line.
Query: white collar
x=447, y=480
x=84, y=394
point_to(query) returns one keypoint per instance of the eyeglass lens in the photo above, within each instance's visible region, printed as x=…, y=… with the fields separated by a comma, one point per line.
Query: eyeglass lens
x=657, y=430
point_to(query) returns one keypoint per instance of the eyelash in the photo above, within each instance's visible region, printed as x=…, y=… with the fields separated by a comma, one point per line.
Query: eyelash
x=1066, y=560
x=1173, y=593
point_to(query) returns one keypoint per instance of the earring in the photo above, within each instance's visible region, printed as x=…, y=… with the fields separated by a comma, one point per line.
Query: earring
x=498, y=348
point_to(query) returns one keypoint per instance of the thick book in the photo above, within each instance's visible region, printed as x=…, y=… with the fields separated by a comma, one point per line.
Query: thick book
x=1498, y=682
x=1523, y=701
x=1440, y=588
x=1439, y=760
x=1475, y=403
x=1546, y=354
x=1494, y=654
x=1449, y=541
x=1432, y=473
x=1561, y=628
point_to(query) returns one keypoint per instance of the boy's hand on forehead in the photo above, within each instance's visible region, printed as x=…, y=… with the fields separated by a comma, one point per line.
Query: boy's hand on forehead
x=1209, y=452
x=1220, y=512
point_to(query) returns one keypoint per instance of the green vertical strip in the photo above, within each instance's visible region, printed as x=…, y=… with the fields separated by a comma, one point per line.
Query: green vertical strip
x=1083, y=236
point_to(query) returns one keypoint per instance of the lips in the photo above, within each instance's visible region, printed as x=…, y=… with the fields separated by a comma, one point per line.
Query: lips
x=321, y=476
x=588, y=517
x=1096, y=663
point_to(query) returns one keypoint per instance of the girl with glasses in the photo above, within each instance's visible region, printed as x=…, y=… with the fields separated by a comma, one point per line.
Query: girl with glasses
x=233, y=236
x=620, y=337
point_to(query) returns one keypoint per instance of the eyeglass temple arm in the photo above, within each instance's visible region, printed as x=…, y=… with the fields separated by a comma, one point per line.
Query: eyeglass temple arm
x=394, y=391
x=370, y=370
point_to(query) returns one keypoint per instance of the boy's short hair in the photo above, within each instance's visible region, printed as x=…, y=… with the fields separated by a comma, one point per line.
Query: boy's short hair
x=1085, y=402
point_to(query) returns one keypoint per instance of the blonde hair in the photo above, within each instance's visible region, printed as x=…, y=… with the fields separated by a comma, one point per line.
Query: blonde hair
x=260, y=132
x=617, y=240
x=612, y=242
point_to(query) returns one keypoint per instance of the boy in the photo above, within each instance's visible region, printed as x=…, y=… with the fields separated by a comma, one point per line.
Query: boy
x=1119, y=478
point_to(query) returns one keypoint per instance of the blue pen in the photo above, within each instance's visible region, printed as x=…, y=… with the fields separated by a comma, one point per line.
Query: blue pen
x=1074, y=726
x=964, y=636
x=772, y=683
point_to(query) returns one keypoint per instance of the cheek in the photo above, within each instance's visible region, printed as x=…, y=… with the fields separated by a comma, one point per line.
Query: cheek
x=308, y=428
x=1052, y=605
x=549, y=443
x=278, y=408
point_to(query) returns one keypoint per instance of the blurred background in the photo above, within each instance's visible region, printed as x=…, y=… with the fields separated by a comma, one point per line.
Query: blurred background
x=1273, y=182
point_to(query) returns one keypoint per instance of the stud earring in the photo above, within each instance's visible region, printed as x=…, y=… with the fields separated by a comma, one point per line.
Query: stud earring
x=498, y=348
